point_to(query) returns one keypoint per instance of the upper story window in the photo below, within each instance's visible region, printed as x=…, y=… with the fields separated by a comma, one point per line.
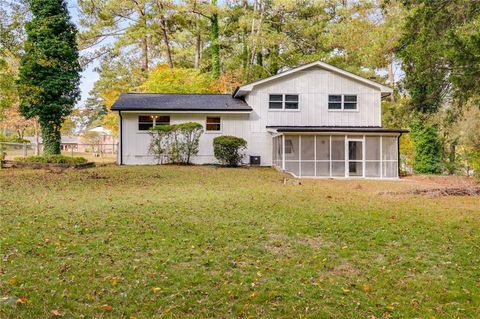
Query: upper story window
x=283, y=102
x=213, y=124
x=146, y=122
x=342, y=102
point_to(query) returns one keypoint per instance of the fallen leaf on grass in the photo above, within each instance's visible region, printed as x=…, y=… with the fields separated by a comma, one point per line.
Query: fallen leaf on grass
x=345, y=290
x=106, y=307
x=56, y=313
x=21, y=300
x=156, y=289
x=366, y=288
x=12, y=281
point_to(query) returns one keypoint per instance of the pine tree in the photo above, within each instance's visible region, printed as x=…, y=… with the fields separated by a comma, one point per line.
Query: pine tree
x=49, y=69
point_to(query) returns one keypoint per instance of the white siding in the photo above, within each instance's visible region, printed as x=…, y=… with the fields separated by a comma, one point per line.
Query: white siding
x=313, y=87
x=135, y=142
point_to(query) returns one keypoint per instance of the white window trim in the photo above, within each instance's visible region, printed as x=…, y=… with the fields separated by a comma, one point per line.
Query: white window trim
x=214, y=132
x=283, y=109
x=154, y=122
x=342, y=104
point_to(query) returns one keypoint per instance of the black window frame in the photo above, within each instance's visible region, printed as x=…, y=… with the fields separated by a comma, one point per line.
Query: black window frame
x=144, y=126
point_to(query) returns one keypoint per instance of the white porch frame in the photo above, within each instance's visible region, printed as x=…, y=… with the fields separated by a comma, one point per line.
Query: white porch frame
x=348, y=136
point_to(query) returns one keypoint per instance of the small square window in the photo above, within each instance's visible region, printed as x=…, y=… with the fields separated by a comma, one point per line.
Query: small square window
x=145, y=122
x=291, y=102
x=162, y=120
x=213, y=124
x=288, y=146
x=276, y=101
x=342, y=102
x=334, y=102
x=350, y=102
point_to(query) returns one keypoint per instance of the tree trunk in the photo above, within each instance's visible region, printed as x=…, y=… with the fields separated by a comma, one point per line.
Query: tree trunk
x=144, y=54
x=37, y=138
x=163, y=26
x=51, y=138
x=259, y=58
x=198, y=49
x=274, y=60
x=391, y=77
x=214, y=37
x=451, y=158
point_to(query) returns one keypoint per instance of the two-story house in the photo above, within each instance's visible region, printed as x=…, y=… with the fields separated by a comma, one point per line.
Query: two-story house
x=315, y=120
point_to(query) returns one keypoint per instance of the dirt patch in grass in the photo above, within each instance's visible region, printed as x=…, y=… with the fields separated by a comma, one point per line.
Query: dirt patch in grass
x=282, y=243
x=434, y=181
x=345, y=269
x=448, y=191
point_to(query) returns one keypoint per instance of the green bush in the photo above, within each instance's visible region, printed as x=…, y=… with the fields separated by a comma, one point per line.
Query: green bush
x=178, y=143
x=53, y=159
x=427, y=148
x=229, y=149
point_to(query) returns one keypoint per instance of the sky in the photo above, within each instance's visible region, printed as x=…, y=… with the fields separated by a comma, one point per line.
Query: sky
x=89, y=76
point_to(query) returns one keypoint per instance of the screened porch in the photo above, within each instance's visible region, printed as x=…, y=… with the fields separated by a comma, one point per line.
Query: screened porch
x=337, y=155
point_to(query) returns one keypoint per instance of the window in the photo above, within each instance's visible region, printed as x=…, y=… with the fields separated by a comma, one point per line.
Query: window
x=334, y=102
x=213, y=124
x=291, y=102
x=342, y=102
x=146, y=122
x=162, y=120
x=350, y=102
x=283, y=102
x=276, y=102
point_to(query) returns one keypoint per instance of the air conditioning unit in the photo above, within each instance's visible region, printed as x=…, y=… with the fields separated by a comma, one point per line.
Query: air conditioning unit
x=255, y=160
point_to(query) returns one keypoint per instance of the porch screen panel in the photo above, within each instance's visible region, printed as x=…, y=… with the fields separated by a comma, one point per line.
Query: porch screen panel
x=275, y=151
x=389, y=148
x=307, y=164
x=338, y=156
x=323, y=156
x=292, y=154
x=389, y=157
x=372, y=156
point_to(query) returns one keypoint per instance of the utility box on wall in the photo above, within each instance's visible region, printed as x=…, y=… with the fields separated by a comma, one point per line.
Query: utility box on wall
x=255, y=160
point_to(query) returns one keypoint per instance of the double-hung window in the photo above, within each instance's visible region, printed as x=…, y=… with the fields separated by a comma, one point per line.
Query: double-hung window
x=283, y=102
x=213, y=124
x=342, y=102
x=146, y=122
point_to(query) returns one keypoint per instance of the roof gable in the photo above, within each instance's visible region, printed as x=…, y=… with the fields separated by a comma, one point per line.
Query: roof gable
x=245, y=89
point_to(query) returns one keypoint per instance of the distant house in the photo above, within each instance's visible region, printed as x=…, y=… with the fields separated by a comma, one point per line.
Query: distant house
x=315, y=120
x=97, y=139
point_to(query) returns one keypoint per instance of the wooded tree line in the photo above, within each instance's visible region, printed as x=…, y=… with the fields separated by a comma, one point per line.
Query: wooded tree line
x=428, y=50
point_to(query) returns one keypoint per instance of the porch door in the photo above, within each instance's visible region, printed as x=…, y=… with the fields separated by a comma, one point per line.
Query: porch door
x=355, y=158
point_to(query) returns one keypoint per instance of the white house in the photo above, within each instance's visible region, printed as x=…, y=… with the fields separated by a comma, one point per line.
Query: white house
x=312, y=121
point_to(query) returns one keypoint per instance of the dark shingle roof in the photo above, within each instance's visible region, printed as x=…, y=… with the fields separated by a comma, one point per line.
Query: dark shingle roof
x=362, y=129
x=179, y=102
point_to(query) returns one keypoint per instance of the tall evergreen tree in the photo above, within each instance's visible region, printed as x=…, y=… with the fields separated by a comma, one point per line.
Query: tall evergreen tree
x=49, y=69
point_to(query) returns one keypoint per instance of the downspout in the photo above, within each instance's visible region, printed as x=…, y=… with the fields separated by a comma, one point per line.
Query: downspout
x=398, y=153
x=121, y=137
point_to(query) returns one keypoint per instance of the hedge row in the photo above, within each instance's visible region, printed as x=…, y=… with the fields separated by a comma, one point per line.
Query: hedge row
x=53, y=159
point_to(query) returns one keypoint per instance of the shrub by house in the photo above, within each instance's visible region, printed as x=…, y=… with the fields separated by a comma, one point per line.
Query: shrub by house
x=176, y=143
x=229, y=150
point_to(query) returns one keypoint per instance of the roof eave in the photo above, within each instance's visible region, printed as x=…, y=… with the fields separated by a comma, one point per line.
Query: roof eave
x=244, y=89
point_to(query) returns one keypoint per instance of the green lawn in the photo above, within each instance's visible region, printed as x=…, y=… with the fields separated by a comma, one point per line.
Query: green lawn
x=191, y=242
